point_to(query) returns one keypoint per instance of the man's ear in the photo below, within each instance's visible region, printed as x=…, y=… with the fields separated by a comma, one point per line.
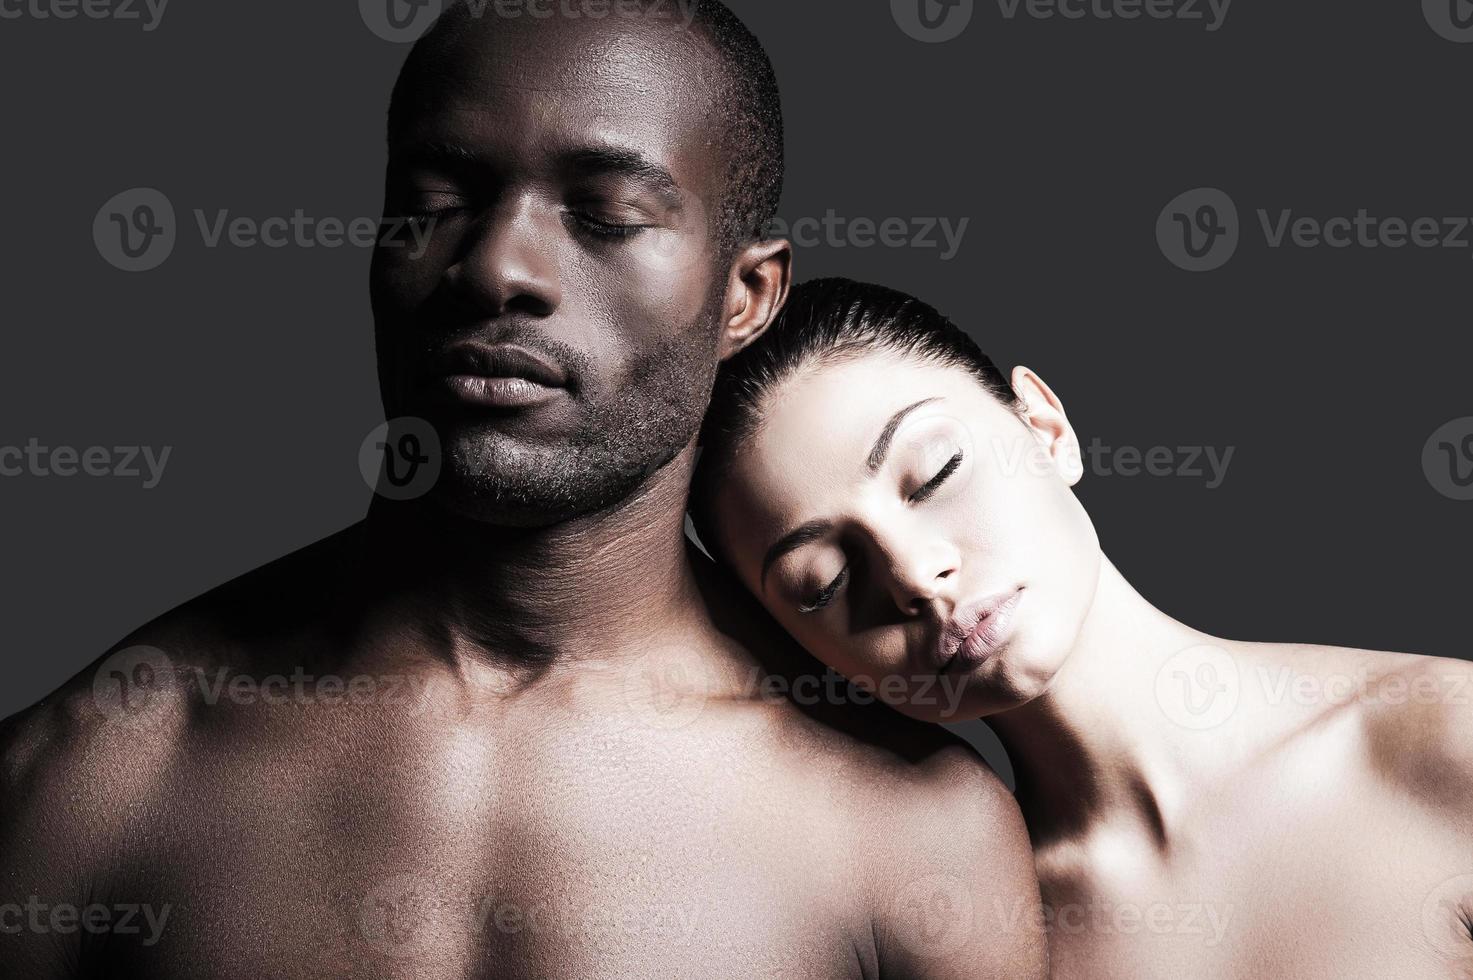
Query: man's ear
x=1043, y=413
x=758, y=287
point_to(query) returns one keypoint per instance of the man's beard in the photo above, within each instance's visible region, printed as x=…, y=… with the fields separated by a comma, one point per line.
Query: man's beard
x=626, y=434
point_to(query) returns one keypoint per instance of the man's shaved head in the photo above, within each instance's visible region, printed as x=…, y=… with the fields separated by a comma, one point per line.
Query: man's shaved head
x=592, y=190
x=744, y=102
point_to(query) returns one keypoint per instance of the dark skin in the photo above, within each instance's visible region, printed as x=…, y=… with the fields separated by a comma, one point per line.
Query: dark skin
x=560, y=765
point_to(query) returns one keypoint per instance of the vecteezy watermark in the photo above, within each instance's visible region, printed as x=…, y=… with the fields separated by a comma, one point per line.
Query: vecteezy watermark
x=137, y=230
x=935, y=21
x=1180, y=462
x=1102, y=917
x=663, y=692
x=837, y=231
x=1284, y=684
x=1199, y=230
x=1451, y=19
x=138, y=682
x=1447, y=918
x=406, y=21
x=934, y=916
x=1447, y=459
x=64, y=919
x=1208, y=463
x=655, y=921
x=1209, y=13
x=401, y=458
x=405, y=913
x=1201, y=687
x=149, y=13
x=932, y=21
x=117, y=462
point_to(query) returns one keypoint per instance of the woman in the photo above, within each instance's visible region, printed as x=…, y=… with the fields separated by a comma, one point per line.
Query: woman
x=1199, y=807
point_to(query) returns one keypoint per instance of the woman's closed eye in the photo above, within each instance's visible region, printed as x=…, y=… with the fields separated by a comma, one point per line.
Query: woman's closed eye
x=934, y=484
x=827, y=593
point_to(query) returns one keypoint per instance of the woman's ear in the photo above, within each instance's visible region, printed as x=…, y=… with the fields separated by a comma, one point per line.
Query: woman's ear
x=760, y=279
x=1043, y=413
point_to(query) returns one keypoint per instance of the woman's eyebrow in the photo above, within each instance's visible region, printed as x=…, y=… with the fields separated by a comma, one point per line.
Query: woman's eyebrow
x=881, y=448
x=796, y=538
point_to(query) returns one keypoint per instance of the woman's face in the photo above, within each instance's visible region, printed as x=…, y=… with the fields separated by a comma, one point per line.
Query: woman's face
x=915, y=534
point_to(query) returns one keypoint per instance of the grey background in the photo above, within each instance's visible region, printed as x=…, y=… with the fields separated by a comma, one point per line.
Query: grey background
x=1061, y=141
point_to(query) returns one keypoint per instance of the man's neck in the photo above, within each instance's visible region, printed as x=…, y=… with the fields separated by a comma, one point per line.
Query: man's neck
x=594, y=588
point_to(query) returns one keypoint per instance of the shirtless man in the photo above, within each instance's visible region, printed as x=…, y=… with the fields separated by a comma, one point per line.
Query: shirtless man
x=509, y=727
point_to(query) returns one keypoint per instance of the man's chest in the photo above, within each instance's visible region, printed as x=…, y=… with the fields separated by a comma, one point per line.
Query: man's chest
x=470, y=857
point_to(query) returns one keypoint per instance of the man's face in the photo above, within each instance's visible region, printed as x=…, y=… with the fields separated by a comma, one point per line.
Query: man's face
x=566, y=173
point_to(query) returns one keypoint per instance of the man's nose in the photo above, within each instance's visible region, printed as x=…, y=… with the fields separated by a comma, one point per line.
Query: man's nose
x=507, y=262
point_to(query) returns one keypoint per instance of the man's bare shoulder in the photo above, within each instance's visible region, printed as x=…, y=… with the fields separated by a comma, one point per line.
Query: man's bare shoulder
x=108, y=733
x=933, y=841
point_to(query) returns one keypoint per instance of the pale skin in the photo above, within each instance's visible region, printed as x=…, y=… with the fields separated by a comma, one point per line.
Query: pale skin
x=1198, y=806
x=443, y=744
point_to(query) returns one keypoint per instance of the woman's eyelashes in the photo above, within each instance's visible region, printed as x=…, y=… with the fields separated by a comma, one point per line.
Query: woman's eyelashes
x=827, y=593
x=934, y=484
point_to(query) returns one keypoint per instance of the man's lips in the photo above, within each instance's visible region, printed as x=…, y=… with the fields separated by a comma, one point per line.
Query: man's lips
x=496, y=375
x=976, y=629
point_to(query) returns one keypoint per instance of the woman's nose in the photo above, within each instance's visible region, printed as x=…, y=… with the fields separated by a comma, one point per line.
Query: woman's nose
x=921, y=576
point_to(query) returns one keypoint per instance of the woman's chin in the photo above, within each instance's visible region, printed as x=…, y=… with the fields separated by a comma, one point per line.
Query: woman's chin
x=1011, y=678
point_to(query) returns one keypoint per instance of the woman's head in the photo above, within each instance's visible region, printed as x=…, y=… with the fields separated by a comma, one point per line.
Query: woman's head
x=878, y=484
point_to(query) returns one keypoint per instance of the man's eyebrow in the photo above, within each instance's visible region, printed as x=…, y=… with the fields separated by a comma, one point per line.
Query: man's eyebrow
x=818, y=527
x=599, y=160
x=796, y=538
x=431, y=152
x=881, y=448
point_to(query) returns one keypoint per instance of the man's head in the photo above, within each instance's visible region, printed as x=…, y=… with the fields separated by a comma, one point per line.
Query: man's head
x=594, y=190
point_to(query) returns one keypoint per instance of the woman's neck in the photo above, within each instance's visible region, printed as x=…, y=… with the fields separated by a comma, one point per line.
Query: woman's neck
x=1099, y=746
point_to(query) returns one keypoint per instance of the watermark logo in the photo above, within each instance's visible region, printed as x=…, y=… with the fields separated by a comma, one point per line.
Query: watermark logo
x=664, y=691
x=1447, y=918
x=64, y=919
x=401, y=459
x=406, y=21
x=399, y=21
x=943, y=235
x=932, y=21
x=394, y=915
x=1199, y=687
x=1451, y=19
x=933, y=916
x=149, y=13
x=133, y=683
x=1198, y=230
x=135, y=230
x=34, y=459
x=1101, y=917
x=1212, y=13
x=1447, y=459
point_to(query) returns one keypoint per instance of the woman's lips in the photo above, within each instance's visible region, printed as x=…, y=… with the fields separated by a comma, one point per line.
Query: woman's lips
x=993, y=628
